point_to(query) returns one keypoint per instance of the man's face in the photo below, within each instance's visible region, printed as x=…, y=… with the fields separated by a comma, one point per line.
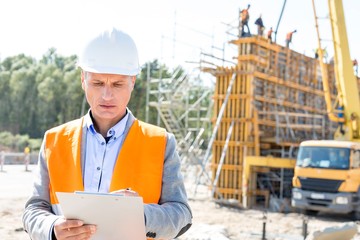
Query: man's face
x=107, y=95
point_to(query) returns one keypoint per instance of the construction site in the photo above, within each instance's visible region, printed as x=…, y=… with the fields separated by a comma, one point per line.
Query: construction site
x=271, y=101
x=244, y=141
x=243, y=136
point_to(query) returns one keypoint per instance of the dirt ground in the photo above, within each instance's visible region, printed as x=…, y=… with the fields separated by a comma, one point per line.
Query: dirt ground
x=211, y=221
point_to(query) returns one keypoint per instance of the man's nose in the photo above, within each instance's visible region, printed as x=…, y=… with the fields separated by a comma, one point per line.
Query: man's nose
x=107, y=92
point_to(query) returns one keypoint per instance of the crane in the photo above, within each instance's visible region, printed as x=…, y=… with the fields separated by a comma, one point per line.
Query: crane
x=346, y=83
x=327, y=173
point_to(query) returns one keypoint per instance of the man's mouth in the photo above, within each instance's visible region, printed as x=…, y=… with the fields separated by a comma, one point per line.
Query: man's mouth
x=106, y=106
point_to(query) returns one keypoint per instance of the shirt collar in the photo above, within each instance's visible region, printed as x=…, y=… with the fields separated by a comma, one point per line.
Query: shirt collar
x=116, y=131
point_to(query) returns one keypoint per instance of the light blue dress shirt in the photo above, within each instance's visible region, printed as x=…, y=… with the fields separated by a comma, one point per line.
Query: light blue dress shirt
x=100, y=156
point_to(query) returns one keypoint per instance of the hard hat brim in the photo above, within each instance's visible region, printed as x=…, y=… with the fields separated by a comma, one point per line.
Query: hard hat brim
x=110, y=70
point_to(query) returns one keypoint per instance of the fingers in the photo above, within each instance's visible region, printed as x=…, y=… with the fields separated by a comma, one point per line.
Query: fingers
x=130, y=193
x=82, y=232
x=72, y=229
x=126, y=192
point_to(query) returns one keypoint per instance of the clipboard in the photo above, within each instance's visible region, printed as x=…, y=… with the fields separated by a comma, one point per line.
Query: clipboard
x=117, y=217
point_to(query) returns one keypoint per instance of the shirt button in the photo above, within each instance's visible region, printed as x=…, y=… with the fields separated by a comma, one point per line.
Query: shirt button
x=98, y=168
x=102, y=143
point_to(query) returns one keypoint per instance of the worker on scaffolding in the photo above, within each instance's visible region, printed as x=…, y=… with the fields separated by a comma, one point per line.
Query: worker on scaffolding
x=289, y=38
x=324, y=54
x=244, y=15
x=269, y=34
x=260, y=26
x=355, y=65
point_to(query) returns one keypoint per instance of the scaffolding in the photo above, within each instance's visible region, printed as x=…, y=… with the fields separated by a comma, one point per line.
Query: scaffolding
x=184, y=107
x=261, y=108
x=276, y=102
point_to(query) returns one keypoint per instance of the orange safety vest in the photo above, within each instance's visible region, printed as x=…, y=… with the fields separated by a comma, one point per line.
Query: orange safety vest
x=139, y=164
x=244, y=15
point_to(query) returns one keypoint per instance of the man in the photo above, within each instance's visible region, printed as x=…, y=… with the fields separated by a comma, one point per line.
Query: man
x=245, y=16
x=269, y=34
x=108, y=150
x=324, y=54
x=316, y=51
x=260, y=25
x=26, y=158
x=356, y=66
x=289, y=38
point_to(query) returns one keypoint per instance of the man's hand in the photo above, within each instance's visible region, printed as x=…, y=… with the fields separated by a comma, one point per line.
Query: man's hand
x=73, y=229
x=126, y=192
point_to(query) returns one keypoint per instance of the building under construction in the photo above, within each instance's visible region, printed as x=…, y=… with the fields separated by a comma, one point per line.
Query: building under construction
x=273, y=99
x=270, y=101
x=263, y=107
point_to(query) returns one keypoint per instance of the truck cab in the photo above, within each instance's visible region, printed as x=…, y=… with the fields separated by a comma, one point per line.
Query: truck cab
x=327, y=177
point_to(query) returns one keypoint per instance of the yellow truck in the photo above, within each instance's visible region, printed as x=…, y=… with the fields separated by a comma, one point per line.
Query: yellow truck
x=327, y=177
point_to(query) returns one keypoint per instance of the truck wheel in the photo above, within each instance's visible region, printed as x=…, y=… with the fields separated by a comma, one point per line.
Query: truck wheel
x=355, y=215
x=310, y=212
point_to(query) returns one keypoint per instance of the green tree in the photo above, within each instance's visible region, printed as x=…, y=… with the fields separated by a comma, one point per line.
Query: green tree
x=16, y=84
x=38, y=95
x=5, y=101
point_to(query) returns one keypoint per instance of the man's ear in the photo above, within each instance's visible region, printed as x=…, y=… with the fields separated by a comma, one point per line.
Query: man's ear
x=133, y=79
x=83, y=80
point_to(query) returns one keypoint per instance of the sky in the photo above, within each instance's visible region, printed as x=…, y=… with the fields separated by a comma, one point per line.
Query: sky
x=32, y=27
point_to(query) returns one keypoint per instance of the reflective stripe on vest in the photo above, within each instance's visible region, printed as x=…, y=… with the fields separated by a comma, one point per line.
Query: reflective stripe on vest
x=139, y=164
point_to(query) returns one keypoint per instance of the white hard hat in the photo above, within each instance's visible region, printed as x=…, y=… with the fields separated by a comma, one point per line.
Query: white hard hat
x=112, y=52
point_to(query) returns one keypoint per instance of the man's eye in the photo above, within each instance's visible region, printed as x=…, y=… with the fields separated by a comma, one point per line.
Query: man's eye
x=117, y=85
x=97, y=84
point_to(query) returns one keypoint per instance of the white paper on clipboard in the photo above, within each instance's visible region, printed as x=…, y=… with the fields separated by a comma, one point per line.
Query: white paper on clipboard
x=116, y=217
